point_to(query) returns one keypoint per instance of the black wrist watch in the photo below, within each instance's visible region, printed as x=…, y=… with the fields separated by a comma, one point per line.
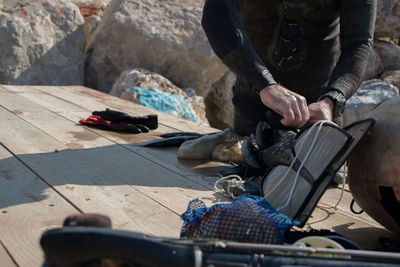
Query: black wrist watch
x=339, y=102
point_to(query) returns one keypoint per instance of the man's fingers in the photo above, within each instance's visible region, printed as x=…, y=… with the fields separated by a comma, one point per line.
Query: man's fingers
x=295, y=105
x=295, y=112
x=288, y=118
x=291, y=106
x=316, y=116
x=304, y=111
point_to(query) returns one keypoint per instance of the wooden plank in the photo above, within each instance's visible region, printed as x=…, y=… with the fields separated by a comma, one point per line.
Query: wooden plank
x=88, y=187
x=172, y=121
x=5, y=258
x=51, y=124
x=82, y=109
x=48, y=121
x=75, y=113
x=30, y=112
x=173, y=191
x=96, y=100
x=20, y=88
x=332, y=196
x=360, y=232
x=28, y=207
x=197, y=171
x=205, y=172
x=89, y=102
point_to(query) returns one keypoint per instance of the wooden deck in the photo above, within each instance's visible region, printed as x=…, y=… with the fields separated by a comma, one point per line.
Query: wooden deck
x=51, y=167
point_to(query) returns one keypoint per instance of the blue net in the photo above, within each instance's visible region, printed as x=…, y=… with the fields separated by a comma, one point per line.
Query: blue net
x=246, y=219
x=174, y=104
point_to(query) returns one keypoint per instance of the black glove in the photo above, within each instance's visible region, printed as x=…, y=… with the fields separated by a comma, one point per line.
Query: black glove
x=121, y=122
x=150, y=121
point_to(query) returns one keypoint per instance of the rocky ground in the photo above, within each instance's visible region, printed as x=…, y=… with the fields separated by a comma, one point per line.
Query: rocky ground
x=94, y=42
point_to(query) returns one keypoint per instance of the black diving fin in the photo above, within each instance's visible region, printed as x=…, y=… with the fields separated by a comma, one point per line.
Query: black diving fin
x=171, y=139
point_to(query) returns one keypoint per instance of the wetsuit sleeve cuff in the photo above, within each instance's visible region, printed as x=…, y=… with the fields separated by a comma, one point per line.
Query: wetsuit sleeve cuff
x=264, y=80
x=338, y=100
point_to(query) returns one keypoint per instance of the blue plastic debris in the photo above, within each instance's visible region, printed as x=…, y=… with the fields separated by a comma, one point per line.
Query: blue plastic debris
x=174, y=104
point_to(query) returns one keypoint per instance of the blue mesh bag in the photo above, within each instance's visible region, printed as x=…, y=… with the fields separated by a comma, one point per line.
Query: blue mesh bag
x=247, y=219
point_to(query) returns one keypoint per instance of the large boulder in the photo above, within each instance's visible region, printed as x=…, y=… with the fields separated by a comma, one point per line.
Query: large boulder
x=161, y=36
x=392, y=76
x=219, y=107
x=41, y=42
x=125, y=85
x=374, y=167
x=374, y=66
x=92, y=11
x=370, y=95
x=389, y=54
x=388, y=19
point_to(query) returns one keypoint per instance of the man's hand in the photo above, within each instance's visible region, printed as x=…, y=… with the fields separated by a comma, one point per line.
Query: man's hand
x=321, y=110
x=291, y=106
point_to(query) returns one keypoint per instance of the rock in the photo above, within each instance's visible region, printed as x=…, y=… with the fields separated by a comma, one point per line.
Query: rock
x=90, y=28
x=374, y=167
x=219, y=107
x=142, y=78
x=370, y=94
x=388, y=19
x=374, y=66
x=146, y=79
x=392, y=76
x=161, y=36
x=98, y=4
x=389, y=53
x=41, y=42
x=92, y=11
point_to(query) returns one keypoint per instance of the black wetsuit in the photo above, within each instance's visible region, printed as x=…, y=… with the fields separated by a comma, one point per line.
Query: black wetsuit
x=309, y=46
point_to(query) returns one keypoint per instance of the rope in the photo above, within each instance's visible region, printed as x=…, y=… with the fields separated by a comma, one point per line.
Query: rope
x=335, y=207
x=234, y=181
x=320, y=124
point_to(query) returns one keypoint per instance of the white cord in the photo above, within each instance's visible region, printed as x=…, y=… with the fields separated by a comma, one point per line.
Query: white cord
x=320, y=124
x=341, y=191
x=235, y=181
x=290, y=167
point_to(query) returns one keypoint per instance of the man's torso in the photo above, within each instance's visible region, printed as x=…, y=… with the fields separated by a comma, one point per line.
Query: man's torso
x=298, y=40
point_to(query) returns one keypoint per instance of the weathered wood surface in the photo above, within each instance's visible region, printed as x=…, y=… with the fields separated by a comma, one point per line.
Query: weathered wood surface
x=5, y=258
x=51, y=167
x=28, y=206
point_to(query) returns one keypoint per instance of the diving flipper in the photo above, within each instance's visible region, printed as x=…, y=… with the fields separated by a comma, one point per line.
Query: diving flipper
x=168, y=142
x=175, y=134
x=295, y=186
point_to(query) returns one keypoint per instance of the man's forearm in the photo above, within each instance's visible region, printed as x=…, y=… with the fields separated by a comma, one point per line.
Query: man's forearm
x=357, y=20
x=349, y=71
